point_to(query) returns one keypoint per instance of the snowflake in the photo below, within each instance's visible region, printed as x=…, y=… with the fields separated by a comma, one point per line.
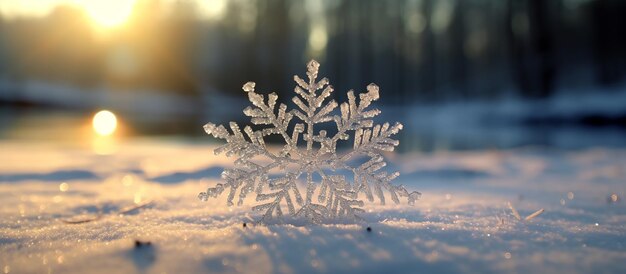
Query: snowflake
x=333, y=196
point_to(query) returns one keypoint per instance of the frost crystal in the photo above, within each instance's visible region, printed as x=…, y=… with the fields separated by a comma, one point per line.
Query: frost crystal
x=319, y=169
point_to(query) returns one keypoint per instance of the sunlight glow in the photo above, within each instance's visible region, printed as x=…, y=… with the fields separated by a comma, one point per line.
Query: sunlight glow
x=108, y=13
x=104, y=123
x=213, y=9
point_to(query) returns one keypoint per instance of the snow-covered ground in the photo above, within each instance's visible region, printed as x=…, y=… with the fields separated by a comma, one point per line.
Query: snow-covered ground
x=462, y=224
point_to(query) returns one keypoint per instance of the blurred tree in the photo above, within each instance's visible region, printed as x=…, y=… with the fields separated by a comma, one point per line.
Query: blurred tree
x=60, y=48
x=414, y=49
x=609, y=43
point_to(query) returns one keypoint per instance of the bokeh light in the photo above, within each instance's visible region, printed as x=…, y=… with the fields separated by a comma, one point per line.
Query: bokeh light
x=63, y=187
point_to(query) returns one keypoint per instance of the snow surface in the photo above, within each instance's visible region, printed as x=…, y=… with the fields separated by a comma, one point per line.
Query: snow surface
x=462, y=224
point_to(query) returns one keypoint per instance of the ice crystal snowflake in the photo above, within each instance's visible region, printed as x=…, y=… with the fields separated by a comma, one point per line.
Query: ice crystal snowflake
x=333, y=195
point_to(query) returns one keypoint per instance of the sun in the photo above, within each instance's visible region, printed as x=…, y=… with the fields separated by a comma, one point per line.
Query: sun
x=108, y=13
x=104, y=123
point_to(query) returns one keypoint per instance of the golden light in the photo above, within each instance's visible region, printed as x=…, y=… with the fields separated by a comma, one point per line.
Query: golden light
x=104, y=123
x=108, y=13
